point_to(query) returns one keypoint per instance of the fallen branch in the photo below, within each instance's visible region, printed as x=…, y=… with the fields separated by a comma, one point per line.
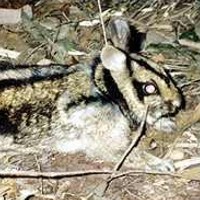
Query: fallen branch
x=61, y=175
x=51, y=175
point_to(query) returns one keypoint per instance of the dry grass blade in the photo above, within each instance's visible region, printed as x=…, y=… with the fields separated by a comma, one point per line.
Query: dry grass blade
x=190, y=44
x=102, y=22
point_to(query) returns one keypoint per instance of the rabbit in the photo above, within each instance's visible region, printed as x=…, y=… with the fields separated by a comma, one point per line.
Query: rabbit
x=124, y=85
x=101, y=120
x=99, y=126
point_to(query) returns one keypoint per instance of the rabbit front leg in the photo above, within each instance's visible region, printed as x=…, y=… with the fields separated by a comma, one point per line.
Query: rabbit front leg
x=96, y=127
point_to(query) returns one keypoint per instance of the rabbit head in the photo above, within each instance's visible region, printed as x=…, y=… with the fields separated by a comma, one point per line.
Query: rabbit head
x=144, y=84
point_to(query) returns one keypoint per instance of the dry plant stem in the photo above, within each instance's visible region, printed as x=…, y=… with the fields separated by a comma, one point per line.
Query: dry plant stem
x=127, y=152
x=102, y=22
x=51, y=175
x=134, y=15
x=25, y=60
x=131, y=172
x=190, y=44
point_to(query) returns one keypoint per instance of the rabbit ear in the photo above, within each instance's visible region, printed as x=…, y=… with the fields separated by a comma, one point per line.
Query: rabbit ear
x=120, y=33
x=113, y=59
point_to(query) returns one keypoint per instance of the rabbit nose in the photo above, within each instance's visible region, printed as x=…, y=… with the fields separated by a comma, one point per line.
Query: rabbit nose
x=173, y=105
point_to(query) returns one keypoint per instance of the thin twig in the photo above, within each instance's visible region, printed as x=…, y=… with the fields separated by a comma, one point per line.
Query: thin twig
x=151, y=172
x=127, y=152
x=102, y=22
x=133, y=143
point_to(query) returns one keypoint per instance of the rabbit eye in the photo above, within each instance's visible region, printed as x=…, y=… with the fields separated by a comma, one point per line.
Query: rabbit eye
x=150, y=88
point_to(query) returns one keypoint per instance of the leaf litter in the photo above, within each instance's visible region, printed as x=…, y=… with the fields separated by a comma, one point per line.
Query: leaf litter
x=69, y=32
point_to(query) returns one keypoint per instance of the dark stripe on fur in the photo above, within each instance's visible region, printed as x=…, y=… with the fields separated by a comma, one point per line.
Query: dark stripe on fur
x=148, y=67
x=22, y=82
x=34, y=74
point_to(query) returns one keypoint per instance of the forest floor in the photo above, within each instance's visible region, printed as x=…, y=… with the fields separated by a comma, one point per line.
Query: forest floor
x=70, y=32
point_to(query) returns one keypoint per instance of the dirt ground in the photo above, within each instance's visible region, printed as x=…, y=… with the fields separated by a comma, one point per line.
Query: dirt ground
x=69, y=32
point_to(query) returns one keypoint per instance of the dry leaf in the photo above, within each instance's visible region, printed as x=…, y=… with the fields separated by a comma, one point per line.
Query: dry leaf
x=191, y=174
x=159, y=58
